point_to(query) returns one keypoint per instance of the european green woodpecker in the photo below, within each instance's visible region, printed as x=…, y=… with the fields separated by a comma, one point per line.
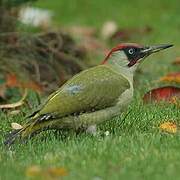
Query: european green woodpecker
x=91, y=97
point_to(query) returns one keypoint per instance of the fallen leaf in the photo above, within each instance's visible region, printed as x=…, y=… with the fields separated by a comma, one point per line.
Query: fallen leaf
x=175, y=100
x=57, y=172
x=177, y=61
x=12, y=81
x=163, y=93
x=16, y=126
x=169, y=127
x=172, y=77
x=33, y=171
x=33, y=85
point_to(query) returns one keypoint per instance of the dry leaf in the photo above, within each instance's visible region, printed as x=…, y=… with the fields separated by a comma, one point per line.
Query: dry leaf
x=33, y=171
x=169, y=127
x=57, y=172
x=33, y=85
x=12, y=81
x=167, y=93
x=172, y=77
x=175, y=100
x=177, y=61
x=16, y=126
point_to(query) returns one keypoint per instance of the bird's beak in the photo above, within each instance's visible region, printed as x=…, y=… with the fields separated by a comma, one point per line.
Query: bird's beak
x=146, y=51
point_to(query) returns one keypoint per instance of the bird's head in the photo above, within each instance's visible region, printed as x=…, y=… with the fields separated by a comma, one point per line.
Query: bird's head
x=129, y=55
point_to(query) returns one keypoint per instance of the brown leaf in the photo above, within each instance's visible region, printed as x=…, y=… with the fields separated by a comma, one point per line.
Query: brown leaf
x=169, y=127
x=172, y=77
x=33, y=85
x=163, y=93
x=12, y=81
x=177, y=61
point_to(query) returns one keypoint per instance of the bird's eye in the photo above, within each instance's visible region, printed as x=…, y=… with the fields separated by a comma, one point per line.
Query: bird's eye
x=131, y=51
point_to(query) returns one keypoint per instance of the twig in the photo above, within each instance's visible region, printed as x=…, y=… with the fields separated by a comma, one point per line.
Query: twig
x=16, y=104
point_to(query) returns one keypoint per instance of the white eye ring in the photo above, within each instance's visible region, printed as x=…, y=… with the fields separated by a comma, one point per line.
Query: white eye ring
x=131, y=51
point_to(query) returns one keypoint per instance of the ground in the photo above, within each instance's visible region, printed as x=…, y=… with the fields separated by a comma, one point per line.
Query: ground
x=135, y=148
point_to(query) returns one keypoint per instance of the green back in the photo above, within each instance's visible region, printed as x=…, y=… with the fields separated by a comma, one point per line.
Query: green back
x=93, y=89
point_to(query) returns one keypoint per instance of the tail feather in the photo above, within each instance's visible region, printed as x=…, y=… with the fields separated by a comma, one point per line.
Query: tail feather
x=11, y=137
x=20, y=135
x=31, y=128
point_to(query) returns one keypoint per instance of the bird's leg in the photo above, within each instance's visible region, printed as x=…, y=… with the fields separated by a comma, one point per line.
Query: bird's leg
x=92, y=129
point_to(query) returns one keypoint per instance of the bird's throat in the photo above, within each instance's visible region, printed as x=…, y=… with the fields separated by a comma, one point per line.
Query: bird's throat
x=118, y=62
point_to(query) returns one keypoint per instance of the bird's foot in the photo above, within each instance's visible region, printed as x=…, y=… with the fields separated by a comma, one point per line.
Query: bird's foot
x=92, y=130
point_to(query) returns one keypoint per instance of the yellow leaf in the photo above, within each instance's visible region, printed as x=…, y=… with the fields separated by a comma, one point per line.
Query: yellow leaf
x=172, y=77
x=57, y=172
x=175, y=100
x=33, y=171
x=168, y=127
x=16, y=126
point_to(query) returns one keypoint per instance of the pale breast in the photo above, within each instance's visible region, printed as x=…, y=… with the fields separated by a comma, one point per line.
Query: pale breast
x=125, y=98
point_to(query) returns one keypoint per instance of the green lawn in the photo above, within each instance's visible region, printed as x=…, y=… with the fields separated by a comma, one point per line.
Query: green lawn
x=135, y=148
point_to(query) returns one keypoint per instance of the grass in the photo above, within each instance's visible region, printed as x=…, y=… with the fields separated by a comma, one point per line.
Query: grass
x=135, y=149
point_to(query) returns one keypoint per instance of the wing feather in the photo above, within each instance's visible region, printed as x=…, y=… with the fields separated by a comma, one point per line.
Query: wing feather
x=93, y=89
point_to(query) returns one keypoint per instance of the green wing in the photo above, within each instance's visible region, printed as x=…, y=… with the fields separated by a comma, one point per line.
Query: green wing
x=93, y=89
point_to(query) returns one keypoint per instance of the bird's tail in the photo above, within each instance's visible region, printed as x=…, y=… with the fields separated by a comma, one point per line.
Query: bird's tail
x=31, y=128
x=17, y=135
x=11, y=137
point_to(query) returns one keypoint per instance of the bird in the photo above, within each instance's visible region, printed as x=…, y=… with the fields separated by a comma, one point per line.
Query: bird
x=92, y=96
